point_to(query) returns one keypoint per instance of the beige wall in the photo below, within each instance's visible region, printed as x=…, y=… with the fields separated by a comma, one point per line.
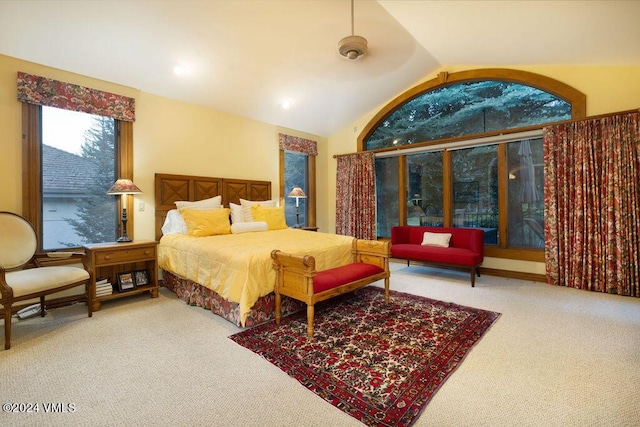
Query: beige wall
x=175, y=137
x=169, y=137
x=608, y=89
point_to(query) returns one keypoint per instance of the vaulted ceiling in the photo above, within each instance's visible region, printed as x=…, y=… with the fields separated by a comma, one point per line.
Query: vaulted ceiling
x=246, y=57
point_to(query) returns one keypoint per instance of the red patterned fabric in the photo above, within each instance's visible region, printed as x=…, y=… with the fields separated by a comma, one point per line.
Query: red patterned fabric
x=334, y=277
x=380, y=363
x=53, y=93
x=356, y=196
x=197, y=295
x=592, y=204
x=297, y=144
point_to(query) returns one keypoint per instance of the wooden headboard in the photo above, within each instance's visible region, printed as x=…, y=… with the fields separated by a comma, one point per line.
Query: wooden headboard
x=172, y=188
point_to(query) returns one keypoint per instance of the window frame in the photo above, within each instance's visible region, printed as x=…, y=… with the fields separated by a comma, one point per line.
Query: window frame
x=578, y=110
x=576, y=98
x=32, y=166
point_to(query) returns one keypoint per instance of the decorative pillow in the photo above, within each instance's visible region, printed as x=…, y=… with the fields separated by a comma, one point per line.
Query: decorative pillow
x=202, y=223
x=212, y=203
x=436, y=239
x=174, y=223
x=246, y=207
x=246, y=227
x=237, y=214
x=274, y=217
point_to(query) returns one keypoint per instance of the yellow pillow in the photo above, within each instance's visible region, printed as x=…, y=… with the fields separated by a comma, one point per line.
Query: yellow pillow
x=273, y=216
x=202, y=223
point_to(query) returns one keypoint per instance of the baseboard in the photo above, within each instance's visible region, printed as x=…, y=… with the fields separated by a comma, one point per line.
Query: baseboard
x=514, y=274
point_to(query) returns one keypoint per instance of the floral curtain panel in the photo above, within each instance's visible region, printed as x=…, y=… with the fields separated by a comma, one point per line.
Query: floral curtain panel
x=356, y=196
x=592, y=204
x=53, y=93
x=297, y=144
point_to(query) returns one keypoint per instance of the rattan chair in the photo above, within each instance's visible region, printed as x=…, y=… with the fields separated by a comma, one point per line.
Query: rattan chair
x=21, y=278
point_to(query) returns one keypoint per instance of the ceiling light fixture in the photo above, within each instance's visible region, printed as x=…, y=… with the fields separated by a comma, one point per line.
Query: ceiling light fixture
x=181, y=70
x=352, y=47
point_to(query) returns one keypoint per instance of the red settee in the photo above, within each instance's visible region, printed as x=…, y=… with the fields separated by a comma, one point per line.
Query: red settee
x=466, y=247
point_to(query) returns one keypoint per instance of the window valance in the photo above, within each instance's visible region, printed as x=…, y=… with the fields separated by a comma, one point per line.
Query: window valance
x=297, y=144
x=53, y=93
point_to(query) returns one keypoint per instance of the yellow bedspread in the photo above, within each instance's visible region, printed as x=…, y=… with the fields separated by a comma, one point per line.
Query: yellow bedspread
x=238, y=266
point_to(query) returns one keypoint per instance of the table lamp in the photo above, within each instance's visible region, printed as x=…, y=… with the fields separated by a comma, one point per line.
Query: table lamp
x=297, y=193
x=124, y=187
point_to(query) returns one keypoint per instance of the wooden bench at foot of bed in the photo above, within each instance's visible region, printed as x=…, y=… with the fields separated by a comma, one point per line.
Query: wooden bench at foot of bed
x=297, y=277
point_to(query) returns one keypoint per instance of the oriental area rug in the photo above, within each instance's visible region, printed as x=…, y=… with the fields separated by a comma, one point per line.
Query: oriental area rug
x=380, y=363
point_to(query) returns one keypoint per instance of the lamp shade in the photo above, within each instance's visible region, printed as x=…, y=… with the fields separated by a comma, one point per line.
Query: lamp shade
x=297, y=192
x=124, y=186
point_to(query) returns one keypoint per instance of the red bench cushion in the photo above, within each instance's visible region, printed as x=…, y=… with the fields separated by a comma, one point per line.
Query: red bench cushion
x=334, y=277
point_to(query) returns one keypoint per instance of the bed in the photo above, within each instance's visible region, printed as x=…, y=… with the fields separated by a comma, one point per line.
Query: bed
x=232, y=274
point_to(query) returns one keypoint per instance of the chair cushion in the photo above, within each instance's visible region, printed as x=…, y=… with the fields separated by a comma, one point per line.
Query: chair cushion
x=33, y=280
x=334, y=277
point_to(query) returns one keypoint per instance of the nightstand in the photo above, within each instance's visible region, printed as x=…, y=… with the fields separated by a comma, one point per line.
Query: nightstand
x=110, y=260
x=310, y=228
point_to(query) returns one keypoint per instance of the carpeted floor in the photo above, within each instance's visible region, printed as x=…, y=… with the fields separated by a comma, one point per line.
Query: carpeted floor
x=556, y=357
x=380, y=363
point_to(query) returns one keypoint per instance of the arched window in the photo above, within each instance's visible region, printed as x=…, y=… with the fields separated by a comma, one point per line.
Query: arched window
x=467, y=151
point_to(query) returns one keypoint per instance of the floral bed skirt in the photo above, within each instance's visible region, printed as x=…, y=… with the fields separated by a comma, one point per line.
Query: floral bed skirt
x=197, y=295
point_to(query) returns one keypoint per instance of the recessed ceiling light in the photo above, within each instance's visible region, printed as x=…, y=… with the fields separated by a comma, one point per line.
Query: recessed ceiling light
x=286, y=104
x=181, y=70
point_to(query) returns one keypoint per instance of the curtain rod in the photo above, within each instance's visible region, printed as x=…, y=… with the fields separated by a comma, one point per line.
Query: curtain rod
x=397, y=150
x=598, y=116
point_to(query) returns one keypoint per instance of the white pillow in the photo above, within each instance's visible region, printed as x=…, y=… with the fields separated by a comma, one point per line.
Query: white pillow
x=436, y=239
x=246, y=227
x=174, y=223
x=246, y=207
x=237, y=214
x=206, y=204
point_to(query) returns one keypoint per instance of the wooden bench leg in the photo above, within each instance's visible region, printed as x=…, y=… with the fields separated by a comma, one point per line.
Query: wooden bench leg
x=278, y=313
x=386, y=289
x=310, y=312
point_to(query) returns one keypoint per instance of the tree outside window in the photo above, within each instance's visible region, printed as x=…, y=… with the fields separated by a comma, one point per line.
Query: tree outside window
x=78, y=167
x=295, y=167
x=473, y=155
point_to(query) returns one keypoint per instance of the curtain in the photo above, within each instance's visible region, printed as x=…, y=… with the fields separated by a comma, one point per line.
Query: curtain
x=53, y=93
x=592, y=204
x=356, y=196
x=298, y=145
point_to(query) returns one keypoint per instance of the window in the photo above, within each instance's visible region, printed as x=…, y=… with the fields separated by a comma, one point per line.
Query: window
x=468, y=108
x=424, y=189
x=78, y=166
x=468, y=153
x=386, y=192
x=475, y=190
x=298, y=169
x=525, y=190
x=295, y=175
x=71, y=159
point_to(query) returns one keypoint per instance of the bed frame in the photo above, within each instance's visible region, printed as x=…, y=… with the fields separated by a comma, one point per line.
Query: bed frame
x=171, y=188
